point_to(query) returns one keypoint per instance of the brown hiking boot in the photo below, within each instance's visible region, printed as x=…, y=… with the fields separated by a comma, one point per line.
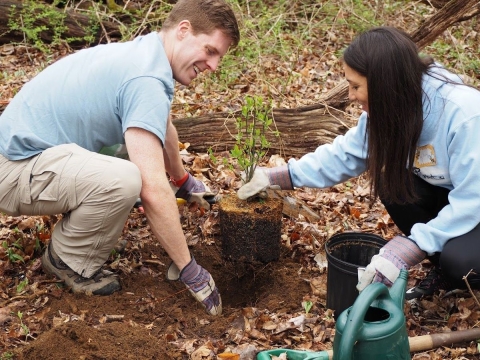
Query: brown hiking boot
x=103, y=282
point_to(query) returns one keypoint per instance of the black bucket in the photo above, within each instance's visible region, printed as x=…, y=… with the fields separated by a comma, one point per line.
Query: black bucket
x=346, y=252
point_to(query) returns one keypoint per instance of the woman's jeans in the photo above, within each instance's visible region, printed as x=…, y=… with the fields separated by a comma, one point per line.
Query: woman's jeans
x=460, y=254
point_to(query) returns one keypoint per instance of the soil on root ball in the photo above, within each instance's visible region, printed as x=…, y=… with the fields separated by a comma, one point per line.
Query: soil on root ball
x=251, y=230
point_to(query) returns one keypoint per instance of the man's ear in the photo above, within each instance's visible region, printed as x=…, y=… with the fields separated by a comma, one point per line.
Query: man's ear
x=183, y=28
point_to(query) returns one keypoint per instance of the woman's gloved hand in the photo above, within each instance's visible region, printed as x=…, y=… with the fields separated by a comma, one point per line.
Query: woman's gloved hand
x=266, y=178
x=400, y=253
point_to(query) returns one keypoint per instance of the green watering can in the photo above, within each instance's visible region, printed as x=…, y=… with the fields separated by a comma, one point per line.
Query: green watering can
x=372, y=329
x=295, y=354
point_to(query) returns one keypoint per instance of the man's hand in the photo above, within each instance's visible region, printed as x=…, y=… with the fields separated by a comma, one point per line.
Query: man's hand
x=200, y=284
x=277, y=178
x=400, y=253
x=192, y=190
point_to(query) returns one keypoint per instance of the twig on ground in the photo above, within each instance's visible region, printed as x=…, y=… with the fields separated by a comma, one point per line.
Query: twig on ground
x=103, y=27
x=469, y=288
x=28, y=297
x=426, y=328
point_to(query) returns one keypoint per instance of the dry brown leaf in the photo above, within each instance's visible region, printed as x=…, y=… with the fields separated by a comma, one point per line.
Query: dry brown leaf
x=229, y=356
x=203, y=353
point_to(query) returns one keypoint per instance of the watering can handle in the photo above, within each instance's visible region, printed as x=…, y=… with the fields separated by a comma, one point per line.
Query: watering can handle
x=355, y=319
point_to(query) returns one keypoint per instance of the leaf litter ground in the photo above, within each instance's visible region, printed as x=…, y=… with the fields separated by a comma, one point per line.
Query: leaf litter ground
x=152, y=318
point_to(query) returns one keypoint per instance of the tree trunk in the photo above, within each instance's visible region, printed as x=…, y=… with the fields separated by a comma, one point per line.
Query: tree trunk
x=301, y=130
x=438, y=4
x=305, y=128
x=79, y=26
x=453, y=12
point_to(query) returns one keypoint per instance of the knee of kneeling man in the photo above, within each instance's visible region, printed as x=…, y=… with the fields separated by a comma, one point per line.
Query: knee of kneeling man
x=129, y=178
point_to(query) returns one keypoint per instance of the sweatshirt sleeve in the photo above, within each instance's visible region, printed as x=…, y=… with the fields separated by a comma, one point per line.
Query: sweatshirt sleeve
x=333, y=163
x=462, y=213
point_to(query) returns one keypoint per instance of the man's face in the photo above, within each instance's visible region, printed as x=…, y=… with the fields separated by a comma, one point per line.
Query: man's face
x=193, y=54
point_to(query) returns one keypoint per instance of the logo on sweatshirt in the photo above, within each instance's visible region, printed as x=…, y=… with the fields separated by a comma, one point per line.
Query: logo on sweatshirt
x=425, y=156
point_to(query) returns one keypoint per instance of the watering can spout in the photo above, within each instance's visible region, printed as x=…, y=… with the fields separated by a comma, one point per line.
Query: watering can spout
x=397, y=291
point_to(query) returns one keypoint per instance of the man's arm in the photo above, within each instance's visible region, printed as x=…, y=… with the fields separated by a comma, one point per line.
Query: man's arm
x=171, y=155
x=183, y=183
x=145, y=150
x=161, y=210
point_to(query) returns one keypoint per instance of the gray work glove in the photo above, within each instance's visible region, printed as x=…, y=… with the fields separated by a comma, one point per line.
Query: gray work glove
x=192, y=190
x=277, y=178
x=400, y=253
x=200, y=284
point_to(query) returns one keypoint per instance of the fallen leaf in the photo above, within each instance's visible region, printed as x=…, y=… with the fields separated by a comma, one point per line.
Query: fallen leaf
x=229, y=356
x=201, y=353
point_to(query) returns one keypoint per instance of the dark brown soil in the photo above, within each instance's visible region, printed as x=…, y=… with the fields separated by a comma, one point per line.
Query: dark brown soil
x=264, y=304
x=157, y=314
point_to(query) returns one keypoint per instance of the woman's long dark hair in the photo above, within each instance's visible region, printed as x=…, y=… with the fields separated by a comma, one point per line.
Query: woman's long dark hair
x=389, y=59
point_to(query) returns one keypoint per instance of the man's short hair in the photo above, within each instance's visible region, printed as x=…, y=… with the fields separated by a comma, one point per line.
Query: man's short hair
x=205, y=16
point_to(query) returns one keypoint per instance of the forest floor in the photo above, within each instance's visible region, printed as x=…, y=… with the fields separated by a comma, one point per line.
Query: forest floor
x=264, y=305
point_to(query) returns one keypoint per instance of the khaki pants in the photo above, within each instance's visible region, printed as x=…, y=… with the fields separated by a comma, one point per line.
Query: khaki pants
x=96, y=192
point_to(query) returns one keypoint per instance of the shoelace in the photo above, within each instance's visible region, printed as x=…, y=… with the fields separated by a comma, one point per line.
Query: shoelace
x=97, y=277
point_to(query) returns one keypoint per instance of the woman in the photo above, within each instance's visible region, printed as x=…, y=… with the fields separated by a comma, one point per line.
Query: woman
x=418, y=140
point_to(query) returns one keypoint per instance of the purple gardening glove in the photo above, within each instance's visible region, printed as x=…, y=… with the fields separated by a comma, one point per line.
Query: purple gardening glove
x=192, y=190
x=277, y=178
x=200, y=284
x=400, y=253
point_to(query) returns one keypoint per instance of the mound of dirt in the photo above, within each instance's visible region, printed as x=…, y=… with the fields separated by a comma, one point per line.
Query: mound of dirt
x=153, y=318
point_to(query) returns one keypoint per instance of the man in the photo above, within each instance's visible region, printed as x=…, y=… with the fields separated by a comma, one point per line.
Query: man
x=110, y=94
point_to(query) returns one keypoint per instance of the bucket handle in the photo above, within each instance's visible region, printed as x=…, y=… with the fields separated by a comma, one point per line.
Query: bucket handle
x=355, y=318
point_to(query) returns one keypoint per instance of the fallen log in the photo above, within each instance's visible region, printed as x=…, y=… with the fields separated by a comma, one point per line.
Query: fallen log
x=302, y=129
x=452, y=12
x=438, y=4
x=78, y=26
x=305, y=128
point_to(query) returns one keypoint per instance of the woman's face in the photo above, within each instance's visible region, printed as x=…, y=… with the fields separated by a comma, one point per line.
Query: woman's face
x=357, y=87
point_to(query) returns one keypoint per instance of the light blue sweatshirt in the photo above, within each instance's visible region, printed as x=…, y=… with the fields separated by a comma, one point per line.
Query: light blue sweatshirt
x=90, y=98
x=448, y=155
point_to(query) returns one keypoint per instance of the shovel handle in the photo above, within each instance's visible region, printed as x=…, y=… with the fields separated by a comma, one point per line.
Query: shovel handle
x=432, y=341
